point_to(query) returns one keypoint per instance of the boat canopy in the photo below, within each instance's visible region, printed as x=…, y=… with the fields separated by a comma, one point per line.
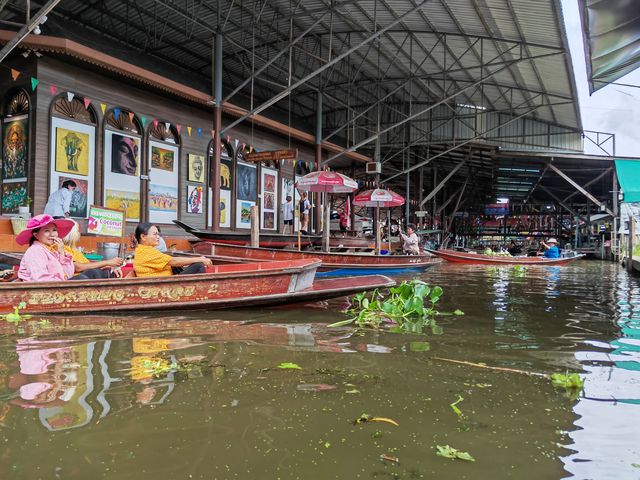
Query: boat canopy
x=629, y=178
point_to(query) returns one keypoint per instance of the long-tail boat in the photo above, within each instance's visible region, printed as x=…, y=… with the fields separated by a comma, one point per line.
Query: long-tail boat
x=337, y=263
x=223, y=286
x=471, y=258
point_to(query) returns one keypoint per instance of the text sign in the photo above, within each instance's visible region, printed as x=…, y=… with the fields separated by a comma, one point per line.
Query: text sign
x=272, y=155
x=104, y=221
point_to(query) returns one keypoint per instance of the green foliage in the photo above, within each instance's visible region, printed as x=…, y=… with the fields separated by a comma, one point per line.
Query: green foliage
x=408, y=308
x=290, y=366
x=571, y=382
x=15, y=317
x=453, y=453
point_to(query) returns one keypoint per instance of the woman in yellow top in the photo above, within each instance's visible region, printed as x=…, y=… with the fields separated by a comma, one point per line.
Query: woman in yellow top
x=151, y=262
x=82, y=265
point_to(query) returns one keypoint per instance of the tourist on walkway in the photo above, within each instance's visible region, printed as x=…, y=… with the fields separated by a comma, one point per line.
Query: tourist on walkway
x=411, y=243
x=150, y=262
x=551, y=248
x=305, y=206
x=287, y=215
x=59, y=203
x=101, y=269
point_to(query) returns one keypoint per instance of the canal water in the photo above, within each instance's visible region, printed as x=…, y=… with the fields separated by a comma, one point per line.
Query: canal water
x=181, y=395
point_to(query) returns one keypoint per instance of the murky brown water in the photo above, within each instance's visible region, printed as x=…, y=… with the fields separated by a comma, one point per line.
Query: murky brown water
x=78, y=399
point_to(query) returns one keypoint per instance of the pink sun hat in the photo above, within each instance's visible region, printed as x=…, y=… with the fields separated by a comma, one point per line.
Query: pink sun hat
x=39, y=221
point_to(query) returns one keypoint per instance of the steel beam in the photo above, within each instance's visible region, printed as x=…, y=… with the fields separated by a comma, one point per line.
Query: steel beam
x=443, y=182
x=593, y=180
x=579, y=188
x=562, y=204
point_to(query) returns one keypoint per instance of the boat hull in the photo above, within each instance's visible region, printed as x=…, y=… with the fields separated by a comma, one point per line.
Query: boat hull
x=480, y=259
x=226, y=286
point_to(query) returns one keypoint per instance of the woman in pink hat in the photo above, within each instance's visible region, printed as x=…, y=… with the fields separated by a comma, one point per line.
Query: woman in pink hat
x=45, y=260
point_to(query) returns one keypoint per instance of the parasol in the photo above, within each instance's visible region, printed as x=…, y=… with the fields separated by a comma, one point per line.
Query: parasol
x=379, y=197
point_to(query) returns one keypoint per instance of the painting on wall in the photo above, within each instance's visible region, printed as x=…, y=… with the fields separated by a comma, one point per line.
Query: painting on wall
x=269, y=182
x=226, y=173
x=269, y=201
x=125, y=154
x=128, y=202
x=247, y=182
x=15, y=143
x=245, y=214
x=269, y=220
x=79, y=197
x=225, y=208
x=194, y=199
x=162, y=158
x=196, y=168
x=163, y=198
x=13, y=195
x=72, y=152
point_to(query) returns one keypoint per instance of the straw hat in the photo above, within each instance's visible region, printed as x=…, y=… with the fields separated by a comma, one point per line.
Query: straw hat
x=40, y=221
x=552, y=240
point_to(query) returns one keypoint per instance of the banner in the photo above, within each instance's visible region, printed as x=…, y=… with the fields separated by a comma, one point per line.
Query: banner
x=104, y=221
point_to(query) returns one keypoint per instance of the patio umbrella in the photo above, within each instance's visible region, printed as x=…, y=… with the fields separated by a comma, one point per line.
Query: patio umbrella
x=379, y=197
x=327, y=182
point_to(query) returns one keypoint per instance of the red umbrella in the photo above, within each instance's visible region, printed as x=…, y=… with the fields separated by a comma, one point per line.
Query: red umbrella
x=378, y=198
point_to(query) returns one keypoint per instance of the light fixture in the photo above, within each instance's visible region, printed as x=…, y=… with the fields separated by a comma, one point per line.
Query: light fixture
x=37, y=31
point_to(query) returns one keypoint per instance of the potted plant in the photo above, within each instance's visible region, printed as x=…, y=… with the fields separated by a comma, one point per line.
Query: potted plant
x=24, y=208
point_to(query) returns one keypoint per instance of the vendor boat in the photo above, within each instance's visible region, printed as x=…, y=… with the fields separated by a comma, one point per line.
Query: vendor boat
x=223, y=286
x=472, y=258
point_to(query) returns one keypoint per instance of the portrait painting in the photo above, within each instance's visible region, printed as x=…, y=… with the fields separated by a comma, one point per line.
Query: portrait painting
x=72, y=152
x=79, y=202
x=125, y=154
x=245, y=213
x=226, y=173
x=247, y=182
x=269, y=182
x=196, y=168
x=13, y=195
x=163, y=198
x=269, y=200
x=128, y=202
x=162, y=158
x=15, y=148
x=225, y=208
x=268, y=220
x=194, y=199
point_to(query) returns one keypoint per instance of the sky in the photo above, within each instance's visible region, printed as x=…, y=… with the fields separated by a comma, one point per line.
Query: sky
x=612, y=109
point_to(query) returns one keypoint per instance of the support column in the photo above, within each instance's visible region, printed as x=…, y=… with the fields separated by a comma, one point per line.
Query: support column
x=318, y=161
x=214, y=180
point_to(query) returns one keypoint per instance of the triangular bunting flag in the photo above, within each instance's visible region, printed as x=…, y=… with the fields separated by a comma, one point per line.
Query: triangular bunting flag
x=70, y=96
x=131, y=117
x=155, y=123
x=103, y=107
x=53, y=90
x=167, y=126
x=199, y=132
x=14, y=74
x=189, y=129
x=178, y=128
x=87, y=102
x=116, y=113
x=143, y=120
x=34, y=83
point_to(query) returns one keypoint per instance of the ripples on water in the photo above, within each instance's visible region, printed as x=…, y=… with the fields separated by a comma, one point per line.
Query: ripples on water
x=95, y=397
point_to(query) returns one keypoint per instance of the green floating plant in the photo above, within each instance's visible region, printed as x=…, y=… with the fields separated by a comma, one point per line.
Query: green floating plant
x=453, y=453
x=572, y=383
x=290, y=365
x=16, y=317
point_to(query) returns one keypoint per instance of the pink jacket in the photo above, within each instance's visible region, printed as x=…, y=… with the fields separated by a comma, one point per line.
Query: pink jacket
x=39, y=264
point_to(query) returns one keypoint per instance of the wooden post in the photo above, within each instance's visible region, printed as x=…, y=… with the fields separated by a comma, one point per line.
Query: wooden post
x=326, y=227
x=255, y=227
x=632, y=232
x=378, y=239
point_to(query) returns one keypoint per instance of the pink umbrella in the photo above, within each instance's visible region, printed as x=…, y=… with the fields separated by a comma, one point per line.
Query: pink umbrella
x=379, y=197
x=327, y=182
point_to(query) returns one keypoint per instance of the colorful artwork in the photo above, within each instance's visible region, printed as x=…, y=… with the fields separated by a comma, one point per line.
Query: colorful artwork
x=247, y=182
x=72, y=151
x=196, y=168
x=128, y=202
x=245, y=213
x=269, y=201
x=163, y=198
x=269, y=182
x=194, y=199
x=226, y=173
x=225, y=208
x=15, y=148
x=125, y=154
x=162, y=159
x=268, y=220
x=13, y=195
x=78, y=207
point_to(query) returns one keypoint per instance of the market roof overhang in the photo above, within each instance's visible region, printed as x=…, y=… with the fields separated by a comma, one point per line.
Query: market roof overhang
x=612, y=39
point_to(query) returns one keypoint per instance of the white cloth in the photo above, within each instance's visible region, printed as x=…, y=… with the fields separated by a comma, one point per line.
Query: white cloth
x=59, y=203
x=287, y=211
x=411, y=243
x=162, y=246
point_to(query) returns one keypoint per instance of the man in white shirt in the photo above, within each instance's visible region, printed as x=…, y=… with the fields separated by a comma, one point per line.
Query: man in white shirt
x=411, y=244
x=287, y=215
x=59, y=202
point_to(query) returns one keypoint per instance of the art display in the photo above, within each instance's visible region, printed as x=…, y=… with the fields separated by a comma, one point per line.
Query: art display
x=196, y=168
x=269, y=182
x=72, y=152
x=194, y=199
x=268, y=206
x=245, y=214
x=269, y=201
x=15, y=143
x=247, y=182
x=226, y=173
x=162, y=158
x=79, y=198
x=163, y=198
x=225, y=208
x=13, y=195
x=269, y=220
x=125, y=154
x=128, y=202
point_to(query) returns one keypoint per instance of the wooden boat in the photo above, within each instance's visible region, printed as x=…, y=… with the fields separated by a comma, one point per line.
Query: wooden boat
x=352, y=263
x=455, y=256
x=224, y=286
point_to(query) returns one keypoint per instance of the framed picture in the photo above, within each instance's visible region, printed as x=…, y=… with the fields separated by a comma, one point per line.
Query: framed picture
x=13, y=195
x=226, y=173
x=194, y=199
x=163, y=193
x=72, y=151
x=162, y=158
x=243, y=213
x=225, y=208
x=196, y=168
x=128, y=202
x=268, y=207
x=79, y=197
x=15, y=147
x=247, y=182
x=125, y=154
x=163, y=198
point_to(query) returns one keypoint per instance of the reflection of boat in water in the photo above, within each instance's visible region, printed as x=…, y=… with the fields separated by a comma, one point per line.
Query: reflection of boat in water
x=455, y=256
x=225, y=286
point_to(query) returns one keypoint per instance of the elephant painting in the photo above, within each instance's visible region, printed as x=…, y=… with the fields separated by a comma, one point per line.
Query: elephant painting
x=225, y=176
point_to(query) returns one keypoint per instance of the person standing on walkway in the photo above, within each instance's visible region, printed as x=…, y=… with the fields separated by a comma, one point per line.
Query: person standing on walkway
x=59, y=203
x=305, y=206
x=287, y=215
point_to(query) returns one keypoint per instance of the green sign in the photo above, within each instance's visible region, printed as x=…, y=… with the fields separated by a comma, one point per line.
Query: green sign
x=104, y=221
